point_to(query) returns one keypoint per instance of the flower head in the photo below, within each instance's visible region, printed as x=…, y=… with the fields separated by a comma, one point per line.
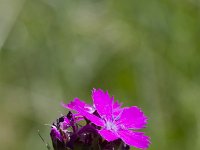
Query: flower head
x=115, y=122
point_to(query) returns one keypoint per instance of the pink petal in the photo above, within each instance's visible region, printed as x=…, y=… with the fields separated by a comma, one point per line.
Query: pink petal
x=78, y=102
x=103, y=103
x=94, y=119
x=117, y=110
x=136, y=139
x=65, y=124
x=132, y=118
x=55, y=134
x=108, y=135
x=117, y=105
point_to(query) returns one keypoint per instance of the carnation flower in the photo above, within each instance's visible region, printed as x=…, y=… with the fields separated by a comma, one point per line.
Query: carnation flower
x=111, y=120
x=104, y=125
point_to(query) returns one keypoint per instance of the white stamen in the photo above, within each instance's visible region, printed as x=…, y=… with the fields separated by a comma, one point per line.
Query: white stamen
x=111, y=126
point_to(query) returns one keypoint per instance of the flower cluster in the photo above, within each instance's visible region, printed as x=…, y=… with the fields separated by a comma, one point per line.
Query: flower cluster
x=103, y=125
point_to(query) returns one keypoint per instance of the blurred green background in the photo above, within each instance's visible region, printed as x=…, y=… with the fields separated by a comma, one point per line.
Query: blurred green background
x=146, y=53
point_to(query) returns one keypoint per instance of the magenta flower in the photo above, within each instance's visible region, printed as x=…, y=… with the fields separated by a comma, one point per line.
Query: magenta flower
x=115, y=122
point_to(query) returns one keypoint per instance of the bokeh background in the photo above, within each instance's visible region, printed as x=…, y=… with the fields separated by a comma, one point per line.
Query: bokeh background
x=146, y=53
